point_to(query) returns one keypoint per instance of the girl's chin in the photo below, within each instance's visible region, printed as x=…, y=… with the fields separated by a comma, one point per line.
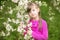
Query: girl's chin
x=34, y=17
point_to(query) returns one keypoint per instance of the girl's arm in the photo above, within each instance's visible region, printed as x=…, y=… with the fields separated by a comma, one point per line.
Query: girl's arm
x=40, y=36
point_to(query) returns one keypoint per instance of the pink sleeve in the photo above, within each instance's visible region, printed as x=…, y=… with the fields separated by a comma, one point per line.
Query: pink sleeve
x=43, y=36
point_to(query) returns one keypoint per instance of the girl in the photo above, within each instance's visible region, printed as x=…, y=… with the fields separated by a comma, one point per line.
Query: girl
x=39, y=26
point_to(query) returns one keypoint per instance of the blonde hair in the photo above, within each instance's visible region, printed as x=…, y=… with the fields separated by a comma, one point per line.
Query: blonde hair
x=37, y=5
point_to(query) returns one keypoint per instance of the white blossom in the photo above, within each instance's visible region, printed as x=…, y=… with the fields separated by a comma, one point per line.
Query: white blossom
x=44, y=3
x=9, y=20
x=1, y=7
x=51, y=18
x=57, y=8
x=13, y=29
x=26, y=16
x=8, y=34
x=25, y=1
x=20, y=29
x=10, y=12
x=4, y=23
x=17, y=21
x=40, y=3
x=20, y=3
x=58, y=0
x=25, y=37
x=30, y=24
x=24, y=30
x=36, y=2
x=8, y=27
x=3, y=34
x=18, y=15
x=15, y=1
x=24, y=26
x=13, y=20
x=25, y=7
x=59, y=11
x=29, y=32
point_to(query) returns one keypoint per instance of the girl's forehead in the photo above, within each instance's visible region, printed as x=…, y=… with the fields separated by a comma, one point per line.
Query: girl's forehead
x=33, y=6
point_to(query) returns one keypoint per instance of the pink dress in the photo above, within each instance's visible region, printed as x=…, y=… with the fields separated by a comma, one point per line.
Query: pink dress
x=39, y=34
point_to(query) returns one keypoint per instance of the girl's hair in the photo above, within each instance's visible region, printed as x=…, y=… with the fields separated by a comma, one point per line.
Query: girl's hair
x=29, y=9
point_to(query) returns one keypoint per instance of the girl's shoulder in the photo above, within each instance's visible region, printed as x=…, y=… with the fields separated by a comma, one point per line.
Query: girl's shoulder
x=44, y=21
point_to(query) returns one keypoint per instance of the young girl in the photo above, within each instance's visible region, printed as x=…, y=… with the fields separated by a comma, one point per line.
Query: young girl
x=39, y=26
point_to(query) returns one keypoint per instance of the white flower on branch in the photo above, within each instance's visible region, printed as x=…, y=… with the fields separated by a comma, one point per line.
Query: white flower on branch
x=20, y=29
x=40, y=3
x=24, y=26
x=24, y=30
x=9, y=20
x=25, y=37
x=25, y=1
x=1, y=7
x=20, y=3
x=10, y=12
x=25, y=4
x=30, y=24
x=44, y=3
x=51, y=18
x=13, y=20
x=59, y=11
x=28, y=35
x=4, y=23
x=25, y=7
x=15, y=1
x=17, y=21
x=3, y=34
x=29, y=32
x=8, y=27
x=8, y=34
x=18, y=15
x=13, y=29
x=57, y=8
x=27, y=18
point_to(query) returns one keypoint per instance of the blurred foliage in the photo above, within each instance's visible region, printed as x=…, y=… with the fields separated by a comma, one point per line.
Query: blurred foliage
x=50, y=13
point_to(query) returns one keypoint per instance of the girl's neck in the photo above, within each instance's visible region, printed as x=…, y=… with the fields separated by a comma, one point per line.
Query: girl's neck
x=37, y=18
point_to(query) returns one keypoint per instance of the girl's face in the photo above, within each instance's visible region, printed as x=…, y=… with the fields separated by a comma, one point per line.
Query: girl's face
x=34, y=12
